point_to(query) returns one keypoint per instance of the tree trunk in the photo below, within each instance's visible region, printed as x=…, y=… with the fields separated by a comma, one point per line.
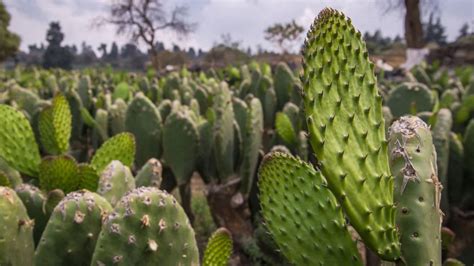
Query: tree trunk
x=225, y=212
x=413, y=28
x=154, y=59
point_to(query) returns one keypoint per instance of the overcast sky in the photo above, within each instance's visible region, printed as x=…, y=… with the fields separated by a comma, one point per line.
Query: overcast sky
x=245, y=20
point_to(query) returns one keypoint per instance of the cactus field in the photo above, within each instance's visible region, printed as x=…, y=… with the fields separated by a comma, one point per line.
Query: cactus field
x=330, y=163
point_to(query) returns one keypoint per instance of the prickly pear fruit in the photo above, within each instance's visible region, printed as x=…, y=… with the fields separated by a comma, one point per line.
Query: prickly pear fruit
x=147, y=227
x=346, y=126
x=16, y=231
x=115, y=181
x=72, y=231
x=417, y=191
x=150, y=174
x=218, y=249
x=144, y=121
x=120, y=147
x=17, y=141
x=313, y=228
x=34, y=199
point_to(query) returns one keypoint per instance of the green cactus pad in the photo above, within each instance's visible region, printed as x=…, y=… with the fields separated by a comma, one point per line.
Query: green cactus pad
x=17, y=142
x=120, y=147
x=4, y=181
x=144, y=121
x=410, y=98
x=180, y=145
x=302, y=214
x=55, y=126
x=284, y=128
x=16, y=231
x=284, y=80
x=34, y=199
x=13, y=176
x=417, y=191
x=218, y=249
x=455, y=168
x=87, y=177
x=72, y=231
x=58, y=172
x=117, y=113
x=115, y=181
x=150, y=174
x=147, y=227
x=468, y=142
x=346, y=126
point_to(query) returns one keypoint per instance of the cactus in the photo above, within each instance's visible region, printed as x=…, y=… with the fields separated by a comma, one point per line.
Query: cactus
x=16, y=231
x=16, y=137
x=387, y=117
x=417, y=191
x=269, y=107
x=84, y=91
x=26, y=99
x=117, y=117
x=468, y=142
x=121, y=91
x=147, y=227
x=441, y=130
x=75, y=106
x=120, y=147
x=115, y=180
x=313, y=229
x=284, y=128
x=12, y=175
x=150, y=174
x=165, y=109
x=283, y=84
x=293, y=113
x=58, y=172
x=302, y=149
x=455, y=169
x=52, y=200
x=344, y=116
x=218, y=249
x=101, y=127
x=410, y=98
x=144, y=121
x=72, y=231
x=55, y=126
x=34, y=200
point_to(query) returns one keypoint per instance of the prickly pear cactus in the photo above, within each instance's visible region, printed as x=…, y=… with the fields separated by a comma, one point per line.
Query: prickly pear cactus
x=55, y=126
x=283, y=83
x=17, y=141
x=16, y=231
x=72, y=230
x=120, y=147
x=346, y=126
x=417, y=191
x=58, y=172
x=468, y=141
x=147, y=227
x=284, y=128
x=150, y=174
x=34, y=199
x=313, y=229
x=410, y=98
x=218, y=249
x=115, y=181
x=13, y=176
x=455, y=168
x=117, y=113
x=144, y=121
x=180, y=145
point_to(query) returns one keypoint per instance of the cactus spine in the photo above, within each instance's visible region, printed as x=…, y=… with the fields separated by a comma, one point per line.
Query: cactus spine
x=417, y=191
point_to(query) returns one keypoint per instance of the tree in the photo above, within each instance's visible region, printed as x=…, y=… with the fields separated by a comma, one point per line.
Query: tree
x=434, y=31
x=103, y=49
x=283, y=34
x=464, y=31
x=56, y=55
x=142, y=19
x=114, y=52
x=9, y=41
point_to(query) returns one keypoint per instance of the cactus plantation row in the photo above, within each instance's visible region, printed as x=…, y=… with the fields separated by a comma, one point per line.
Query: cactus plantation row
x=357, y=168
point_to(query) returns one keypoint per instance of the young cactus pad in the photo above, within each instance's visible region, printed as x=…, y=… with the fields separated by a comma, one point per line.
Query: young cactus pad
x=302, y=214
x=345, y=121
x=72, y=230
x=115, y=181
x=147, y=227
x=17, y=141
x=218, y=249
x=16, y=231
x=121, y=147
x=417, y=191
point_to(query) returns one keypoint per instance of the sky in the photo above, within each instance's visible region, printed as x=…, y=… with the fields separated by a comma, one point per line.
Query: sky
x=244, y=20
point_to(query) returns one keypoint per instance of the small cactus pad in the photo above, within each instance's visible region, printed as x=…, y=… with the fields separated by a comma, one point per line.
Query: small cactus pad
x=17, y=141
x=302, y=214
x=120, y=147
x=34, y=200
x=218, y=249
x=55, y=126
x=115, y=181
x=144, y=120
x=417, y=191
x=284, y=128
x=181, y=144
x=150, y=174
x=346, y=126
x=147, y=227
x=16, y=231
x=72, y=230
x=58, y=172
